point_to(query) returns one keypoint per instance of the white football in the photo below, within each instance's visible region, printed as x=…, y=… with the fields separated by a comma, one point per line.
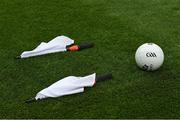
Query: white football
x=149, y=57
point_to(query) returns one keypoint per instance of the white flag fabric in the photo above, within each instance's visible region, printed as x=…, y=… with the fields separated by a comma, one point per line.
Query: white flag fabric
x=67, y=86
x=58, y=44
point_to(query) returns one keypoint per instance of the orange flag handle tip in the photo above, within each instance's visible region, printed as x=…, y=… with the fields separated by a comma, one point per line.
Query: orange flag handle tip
x=73, y=48
x=80, y=47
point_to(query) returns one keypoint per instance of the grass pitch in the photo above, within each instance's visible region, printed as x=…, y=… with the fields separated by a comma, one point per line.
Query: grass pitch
x=117, y=27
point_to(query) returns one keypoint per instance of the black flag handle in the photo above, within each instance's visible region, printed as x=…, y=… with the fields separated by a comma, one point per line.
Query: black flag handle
x=18, y=57
x=75, y=47
x=104, y=77
x=85, y=46
x=30, y=100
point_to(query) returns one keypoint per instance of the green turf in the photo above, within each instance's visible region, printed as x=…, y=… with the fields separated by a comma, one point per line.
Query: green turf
x=117, y=27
